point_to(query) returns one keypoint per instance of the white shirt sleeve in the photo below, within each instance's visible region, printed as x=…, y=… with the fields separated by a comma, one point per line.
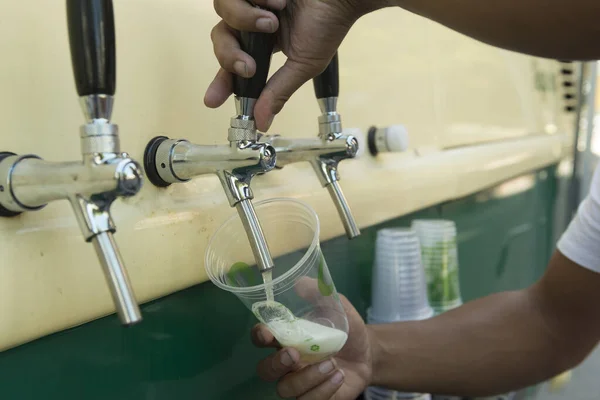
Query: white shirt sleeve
x=581, y=241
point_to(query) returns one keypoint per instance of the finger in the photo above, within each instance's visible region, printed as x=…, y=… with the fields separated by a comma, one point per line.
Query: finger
x=327, y=389
x=241, y=15
x=278, y=364
x=262, y=337
x=228, y=52
x=219, y=90
x=282, y=85
x=306, y=380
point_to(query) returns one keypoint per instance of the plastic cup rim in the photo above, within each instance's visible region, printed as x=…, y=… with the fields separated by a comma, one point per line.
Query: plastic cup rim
x=251, y=289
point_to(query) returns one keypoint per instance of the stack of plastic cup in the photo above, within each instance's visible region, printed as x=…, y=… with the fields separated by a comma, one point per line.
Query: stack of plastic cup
x=440, y=260
x=399, y=291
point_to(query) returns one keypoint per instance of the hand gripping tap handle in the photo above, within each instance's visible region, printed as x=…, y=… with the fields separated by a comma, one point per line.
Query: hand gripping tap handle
x=260, y=47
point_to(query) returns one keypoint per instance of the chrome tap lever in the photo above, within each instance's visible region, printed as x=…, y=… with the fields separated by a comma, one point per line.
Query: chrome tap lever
x=327, y=89
x=28, y=183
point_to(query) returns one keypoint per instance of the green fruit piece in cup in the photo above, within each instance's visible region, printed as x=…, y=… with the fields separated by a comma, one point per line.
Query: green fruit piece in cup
x=315, y=347
x=240, y=274
x=325, y=288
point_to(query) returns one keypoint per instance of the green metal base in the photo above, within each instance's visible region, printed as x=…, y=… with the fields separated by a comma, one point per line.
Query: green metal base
x=195, y=344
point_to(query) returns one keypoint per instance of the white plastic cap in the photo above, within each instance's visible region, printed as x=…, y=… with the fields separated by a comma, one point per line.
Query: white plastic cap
x=389, y=139
x=396, y=138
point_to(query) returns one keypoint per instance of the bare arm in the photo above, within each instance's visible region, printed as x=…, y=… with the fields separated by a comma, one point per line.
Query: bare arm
x=546, y=28
x=498, y=343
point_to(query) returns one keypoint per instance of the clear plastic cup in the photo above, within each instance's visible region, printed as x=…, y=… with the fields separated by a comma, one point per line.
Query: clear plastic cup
x=440, y=260
x=399, y=286
x=377, y=393
x=317, y=325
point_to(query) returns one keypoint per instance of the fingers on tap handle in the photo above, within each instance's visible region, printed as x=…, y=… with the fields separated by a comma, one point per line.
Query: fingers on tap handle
x=92, y=40
x=327, y=84
x=259, y=46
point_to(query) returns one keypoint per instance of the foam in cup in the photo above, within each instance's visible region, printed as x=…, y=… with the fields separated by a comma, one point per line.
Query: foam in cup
x=313, y=341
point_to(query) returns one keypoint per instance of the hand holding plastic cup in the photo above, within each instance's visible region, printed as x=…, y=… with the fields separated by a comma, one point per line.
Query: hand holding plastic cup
x=305, y=312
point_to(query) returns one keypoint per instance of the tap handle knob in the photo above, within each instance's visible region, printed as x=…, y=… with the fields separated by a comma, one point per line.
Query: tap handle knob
x=327, y=84
x=92, y=41
x=260, y=47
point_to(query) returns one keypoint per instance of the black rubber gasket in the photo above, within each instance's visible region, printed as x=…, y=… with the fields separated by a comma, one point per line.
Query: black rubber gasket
x=371, y=141
x=4, y=212
x=150, y=162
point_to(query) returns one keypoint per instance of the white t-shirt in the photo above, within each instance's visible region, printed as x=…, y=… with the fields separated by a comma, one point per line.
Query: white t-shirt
x=581, y=241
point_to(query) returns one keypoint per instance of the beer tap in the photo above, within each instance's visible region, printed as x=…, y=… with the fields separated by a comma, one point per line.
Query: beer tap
x=91, y=185
x=169, y=161
x=325, y=151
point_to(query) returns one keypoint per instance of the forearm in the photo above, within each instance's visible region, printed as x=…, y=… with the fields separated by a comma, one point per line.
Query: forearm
x=486, y=347
x=553, y=29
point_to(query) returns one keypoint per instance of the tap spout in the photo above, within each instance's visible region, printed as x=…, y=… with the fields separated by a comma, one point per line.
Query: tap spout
x=117, y=279
x=256, y=238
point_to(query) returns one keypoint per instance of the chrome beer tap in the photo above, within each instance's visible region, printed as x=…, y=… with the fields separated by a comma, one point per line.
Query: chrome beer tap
x=28, y=183
x=168, y=161
x=325, y=151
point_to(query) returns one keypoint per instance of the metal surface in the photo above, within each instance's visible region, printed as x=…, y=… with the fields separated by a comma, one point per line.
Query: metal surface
x=99, y=137
x=330, y=123
x=328, y=105
x=244, y=106
x=324, y=153
x=97, y=107
x=91, y=186
x=256, y=238
x=243, y=126
x=34, y=182
x=235, y=165
x=298, y=150
x=343, y=208
x=116, y=277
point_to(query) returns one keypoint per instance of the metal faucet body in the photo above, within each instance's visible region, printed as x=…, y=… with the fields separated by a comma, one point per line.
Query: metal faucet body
x=170, y=161
x=28, y=183
x=324, y=154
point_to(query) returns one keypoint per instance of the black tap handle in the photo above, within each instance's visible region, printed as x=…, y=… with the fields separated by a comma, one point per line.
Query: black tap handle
x=260, y=47
x=327, y=84
x=92, y=39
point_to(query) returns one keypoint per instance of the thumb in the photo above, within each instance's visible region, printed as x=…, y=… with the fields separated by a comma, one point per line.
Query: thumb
x=280, y=87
